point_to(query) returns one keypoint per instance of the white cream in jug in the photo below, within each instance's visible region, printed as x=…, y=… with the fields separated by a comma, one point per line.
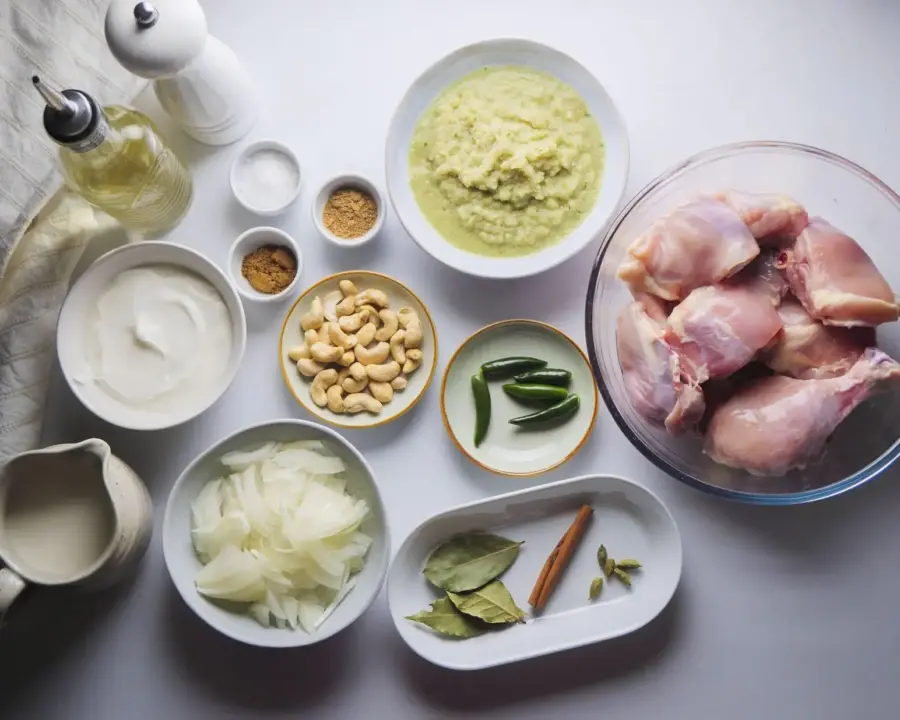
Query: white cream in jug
x=159, y=338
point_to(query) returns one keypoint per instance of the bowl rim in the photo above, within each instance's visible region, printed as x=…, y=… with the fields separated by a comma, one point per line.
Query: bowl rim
x=492, y=326
x=246, y=237
x=870, y=471
x=333, y=436
x=222, y=285
x=249, y=149
x=350, y=180
x=482, y=269
x=315, y=411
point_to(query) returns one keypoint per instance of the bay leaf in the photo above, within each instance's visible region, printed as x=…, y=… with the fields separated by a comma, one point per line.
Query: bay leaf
x=444, y=618
x=466, y=562
x=492, y=603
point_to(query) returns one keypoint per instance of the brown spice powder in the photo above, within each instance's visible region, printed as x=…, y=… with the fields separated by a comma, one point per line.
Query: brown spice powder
x=349, y=213
x=269, y=269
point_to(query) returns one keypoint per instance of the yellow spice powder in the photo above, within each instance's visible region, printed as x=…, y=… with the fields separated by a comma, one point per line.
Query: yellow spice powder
x=349, y=213
x=269, y=269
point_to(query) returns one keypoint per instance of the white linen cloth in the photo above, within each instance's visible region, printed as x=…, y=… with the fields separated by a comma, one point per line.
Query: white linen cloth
x=62, y=41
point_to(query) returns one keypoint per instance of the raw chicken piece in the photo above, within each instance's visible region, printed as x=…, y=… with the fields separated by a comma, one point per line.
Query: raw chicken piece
x=764, y=276
x=717, y=392
x=807, y=349
x=779, y=423
x=657, y=385
x=719, y=328
x=697, y=244
x=774, y=219
x=836, y=280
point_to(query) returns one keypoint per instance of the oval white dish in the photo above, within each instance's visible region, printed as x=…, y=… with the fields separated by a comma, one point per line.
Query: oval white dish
x=630, y=520
x=453, y=67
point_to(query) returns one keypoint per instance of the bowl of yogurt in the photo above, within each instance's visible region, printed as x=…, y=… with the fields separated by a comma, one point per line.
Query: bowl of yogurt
x=151, y=335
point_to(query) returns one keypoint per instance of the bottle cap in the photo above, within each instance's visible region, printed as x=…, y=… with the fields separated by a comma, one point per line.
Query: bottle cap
x=71, y=116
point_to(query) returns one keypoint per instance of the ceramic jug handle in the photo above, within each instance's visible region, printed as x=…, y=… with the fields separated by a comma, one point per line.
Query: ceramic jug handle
x=10, y=587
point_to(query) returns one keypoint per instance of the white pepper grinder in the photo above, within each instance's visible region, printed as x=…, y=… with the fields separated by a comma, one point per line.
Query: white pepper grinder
x=199, y=80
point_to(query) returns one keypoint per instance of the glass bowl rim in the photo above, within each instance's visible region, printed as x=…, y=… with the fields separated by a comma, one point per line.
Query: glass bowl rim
x=865, y=474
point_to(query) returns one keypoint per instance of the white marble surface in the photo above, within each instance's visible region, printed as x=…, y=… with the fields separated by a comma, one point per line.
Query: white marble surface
x=781, y=613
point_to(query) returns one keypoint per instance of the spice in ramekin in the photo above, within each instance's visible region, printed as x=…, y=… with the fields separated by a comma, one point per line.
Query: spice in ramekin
x=269, y=269
x=349, y=213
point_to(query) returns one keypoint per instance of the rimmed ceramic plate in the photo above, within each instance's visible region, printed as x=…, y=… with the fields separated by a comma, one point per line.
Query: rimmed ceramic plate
x=398, y=296
x=494, y=53
x=508, y=450
x=628, y=519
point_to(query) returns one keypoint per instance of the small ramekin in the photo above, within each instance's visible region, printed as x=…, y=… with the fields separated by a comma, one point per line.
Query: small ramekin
x=349, y=181
x=246, y=243
x=243, y=155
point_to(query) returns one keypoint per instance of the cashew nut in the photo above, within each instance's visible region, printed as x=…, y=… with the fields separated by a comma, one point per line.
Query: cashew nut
x=309, y=368
x=340, y=338
x=330, y=305
x=354, y=386
x=351, y=323
x=383, y=373
x=325, y=353
x=342, y=374
x=381, y=391
x=335, y=397
x=313, y=319
x=310, y=337
x=373, y=297
x=389, y=325
x=399, y=383
x=298, y=352
x=357, y=402
x=369, y=314
x=347, y=306
x=320, y=384
x=413, y=360
x=347, y=359
x=358, y=371
x=348, y=288
x=413, y=336
x=366, y=334
x=407, y=316
x=398, y=351
x=372, y=356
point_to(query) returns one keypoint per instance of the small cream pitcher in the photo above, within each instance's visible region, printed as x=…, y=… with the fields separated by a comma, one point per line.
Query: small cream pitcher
x=70, y=514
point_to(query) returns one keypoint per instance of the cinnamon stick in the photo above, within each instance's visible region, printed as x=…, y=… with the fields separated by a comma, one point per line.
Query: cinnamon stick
x=559, y=559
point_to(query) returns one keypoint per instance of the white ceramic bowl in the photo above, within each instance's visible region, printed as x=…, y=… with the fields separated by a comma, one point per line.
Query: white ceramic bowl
x=249, y=241
x=83, y=297
x=454, y=67
x=183, y=565
x=238, y=165
x=349, y=181
x=399, y=296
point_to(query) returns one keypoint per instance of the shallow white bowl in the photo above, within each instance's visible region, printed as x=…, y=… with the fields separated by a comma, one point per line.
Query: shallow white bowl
x=349, y=181
x=451, y=69
x=249, y=241
x=399, y=296
x=183, y=565
x=81, y=300
x=238, y=164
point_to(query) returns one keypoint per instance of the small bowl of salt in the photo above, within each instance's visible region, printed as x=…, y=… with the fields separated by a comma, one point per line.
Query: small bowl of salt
x=265, y=177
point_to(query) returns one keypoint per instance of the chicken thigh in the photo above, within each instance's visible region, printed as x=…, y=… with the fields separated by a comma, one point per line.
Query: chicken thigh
x=807, y=349
x=764, y=276
x=720, y=328
x=657, y=384
x=779, y=423
x=773, y=219
x=700, y=243
x=836, y=280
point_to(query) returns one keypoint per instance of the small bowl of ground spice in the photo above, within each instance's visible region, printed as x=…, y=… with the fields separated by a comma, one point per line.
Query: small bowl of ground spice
x=348, y=210
x=265, y=264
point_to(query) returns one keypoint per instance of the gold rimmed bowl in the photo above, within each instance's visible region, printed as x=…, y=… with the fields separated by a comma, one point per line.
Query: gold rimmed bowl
x=399, y=296
x=508, y=449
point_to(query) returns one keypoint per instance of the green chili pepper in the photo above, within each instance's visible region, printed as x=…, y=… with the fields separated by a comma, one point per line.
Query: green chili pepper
x=545, y=376
x=482, y=396
x=554, y=414
x=536, y=393
x=509, y=366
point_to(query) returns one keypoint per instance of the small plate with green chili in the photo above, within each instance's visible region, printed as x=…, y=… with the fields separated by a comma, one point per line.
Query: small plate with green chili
x=518, y=398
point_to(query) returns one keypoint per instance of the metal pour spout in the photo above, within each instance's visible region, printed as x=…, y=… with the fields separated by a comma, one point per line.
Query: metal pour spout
x=54, y=99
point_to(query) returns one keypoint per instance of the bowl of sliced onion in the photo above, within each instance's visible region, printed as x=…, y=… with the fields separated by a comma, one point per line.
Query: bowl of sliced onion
x=276, y=535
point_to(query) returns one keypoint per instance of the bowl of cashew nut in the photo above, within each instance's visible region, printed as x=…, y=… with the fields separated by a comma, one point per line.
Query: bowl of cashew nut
x=358, y=349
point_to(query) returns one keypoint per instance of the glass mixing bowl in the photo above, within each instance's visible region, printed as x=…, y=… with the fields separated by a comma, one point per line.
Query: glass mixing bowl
x=848, y=196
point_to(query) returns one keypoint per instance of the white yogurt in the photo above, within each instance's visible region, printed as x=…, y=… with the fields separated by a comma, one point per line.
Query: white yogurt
x=158, y=339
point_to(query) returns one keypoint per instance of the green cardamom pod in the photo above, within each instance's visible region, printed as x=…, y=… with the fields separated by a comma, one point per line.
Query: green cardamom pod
x=596, y=587
x=609, y=566
x=623, y=576
x=602, y=556
x=628, y=564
